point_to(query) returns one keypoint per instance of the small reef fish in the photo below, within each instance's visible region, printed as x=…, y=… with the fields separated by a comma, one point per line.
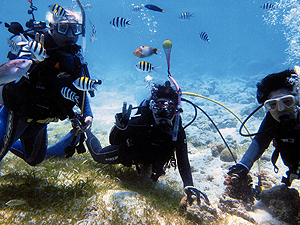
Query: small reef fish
x=268, y=6
x=36, y=48
x=185, y=16
x=86, y=84
x=57, y=11
x=145, y=51
x=16, y=202
x=204, y=36
x=154, y=8
x=119, y=22
x=14, y=27
x=144, y=66
x=13, y=70
x=69, y=94
x=93, y=34
x=88, y=7
x=137, y=8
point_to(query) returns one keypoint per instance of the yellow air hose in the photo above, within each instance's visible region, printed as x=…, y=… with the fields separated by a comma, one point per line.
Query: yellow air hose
x=201, y=96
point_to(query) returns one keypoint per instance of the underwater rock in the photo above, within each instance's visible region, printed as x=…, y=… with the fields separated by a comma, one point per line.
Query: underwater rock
x=228, y=123
x=283, y=202
x=238, y=197
x=226, y=155
x=216, y=149
x=248, y=109
x=210, y=86
x=202, y=213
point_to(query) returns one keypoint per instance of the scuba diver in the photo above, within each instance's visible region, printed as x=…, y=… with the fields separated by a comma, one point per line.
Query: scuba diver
x=279, y=92
x=145, y=139
x=46, y=93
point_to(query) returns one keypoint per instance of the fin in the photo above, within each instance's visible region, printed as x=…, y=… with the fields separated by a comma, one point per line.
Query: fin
x=155, y=67
x=22, y=43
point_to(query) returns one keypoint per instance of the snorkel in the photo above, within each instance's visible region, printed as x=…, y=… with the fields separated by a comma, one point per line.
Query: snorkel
x=83, y=27
x=167, y=45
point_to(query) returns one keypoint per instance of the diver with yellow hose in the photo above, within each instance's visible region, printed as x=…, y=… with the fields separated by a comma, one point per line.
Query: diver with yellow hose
x=279, y=93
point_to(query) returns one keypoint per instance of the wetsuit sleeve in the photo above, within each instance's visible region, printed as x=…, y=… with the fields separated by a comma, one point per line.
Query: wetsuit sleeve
x=260, y=143
x=182, y=159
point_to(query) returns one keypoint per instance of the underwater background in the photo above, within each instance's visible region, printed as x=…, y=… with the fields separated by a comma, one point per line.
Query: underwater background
x=245, y=39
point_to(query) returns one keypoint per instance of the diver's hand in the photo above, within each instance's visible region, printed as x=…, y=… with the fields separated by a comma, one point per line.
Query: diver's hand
x=123, y=118
x=238, y=169
x=40, y=38
x=193, y=193
x=87, y=123
x=80, y=123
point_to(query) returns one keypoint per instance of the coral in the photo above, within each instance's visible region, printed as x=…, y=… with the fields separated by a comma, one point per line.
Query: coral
x=238, y=197
x=202, y=213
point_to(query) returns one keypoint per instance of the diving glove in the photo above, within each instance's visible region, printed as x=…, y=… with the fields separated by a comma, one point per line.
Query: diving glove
x=78, y=122
x=238, y=169
x=193, y=193
x=123, y=118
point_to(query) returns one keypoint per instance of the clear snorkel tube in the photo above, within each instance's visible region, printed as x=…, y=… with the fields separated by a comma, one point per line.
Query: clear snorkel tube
x=83, y=27
x=177, y=118
x=167, y=45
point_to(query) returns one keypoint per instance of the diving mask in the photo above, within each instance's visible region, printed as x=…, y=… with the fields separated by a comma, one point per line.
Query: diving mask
x=163, y=108
x=63, y=28
x=287, y=101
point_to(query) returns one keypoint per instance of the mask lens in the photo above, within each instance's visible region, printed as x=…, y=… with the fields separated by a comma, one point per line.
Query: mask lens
x=62, y=28
x=287, y=101
x=271, y=105
x=164, y=109
x=77, y=28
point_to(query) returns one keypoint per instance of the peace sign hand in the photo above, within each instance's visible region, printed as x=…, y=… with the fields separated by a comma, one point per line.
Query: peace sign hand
x=123, y=118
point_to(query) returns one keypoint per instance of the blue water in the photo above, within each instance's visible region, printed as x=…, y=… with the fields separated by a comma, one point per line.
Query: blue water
x=245, y=40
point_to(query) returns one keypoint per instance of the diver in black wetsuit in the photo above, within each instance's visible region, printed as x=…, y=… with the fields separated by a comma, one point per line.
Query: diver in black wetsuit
x=280, y=94
x=37, y=99
x=145, y=140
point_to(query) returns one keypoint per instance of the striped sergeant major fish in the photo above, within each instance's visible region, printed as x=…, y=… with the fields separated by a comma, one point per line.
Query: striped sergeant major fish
x=57, y=11
x=204, y=36
x=144, y=66
x=67, y=93
x=119, y=22
x=137, y=8
x=36, y=48
x=185, y=16
x=86, y=84
x=268, y=6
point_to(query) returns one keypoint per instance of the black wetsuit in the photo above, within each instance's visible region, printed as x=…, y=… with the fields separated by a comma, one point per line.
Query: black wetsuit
x=143, y=142
x=34, y=101
x=287, y=142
